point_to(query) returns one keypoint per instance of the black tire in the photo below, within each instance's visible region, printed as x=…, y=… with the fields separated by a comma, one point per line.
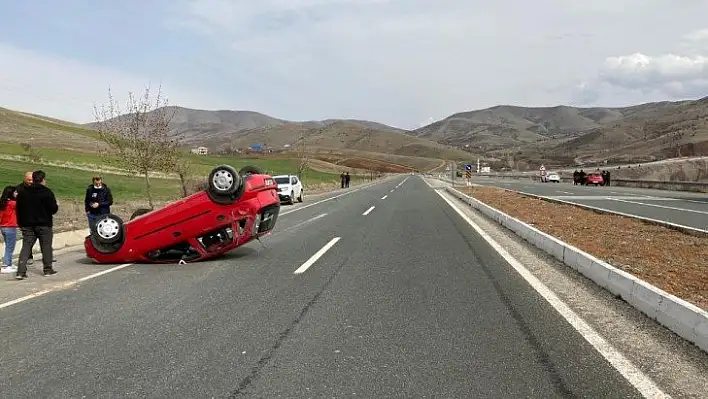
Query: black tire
x=299, y=198
x=107, y=230
x=250, y=170
x=224, y=181
x=140, y=212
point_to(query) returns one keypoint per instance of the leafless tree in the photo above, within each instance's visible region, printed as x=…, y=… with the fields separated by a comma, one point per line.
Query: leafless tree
x=141, y=136
x=183, y=168
x=303, y=159
x=32, y=152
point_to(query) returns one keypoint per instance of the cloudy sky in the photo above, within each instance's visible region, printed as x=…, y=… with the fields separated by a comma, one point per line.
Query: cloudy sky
x=400, y=62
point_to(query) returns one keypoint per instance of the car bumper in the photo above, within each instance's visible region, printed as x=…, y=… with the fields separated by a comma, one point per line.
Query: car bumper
x=284, y=197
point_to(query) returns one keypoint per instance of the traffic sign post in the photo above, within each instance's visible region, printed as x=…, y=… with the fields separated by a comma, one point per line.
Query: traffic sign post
x=468, y=173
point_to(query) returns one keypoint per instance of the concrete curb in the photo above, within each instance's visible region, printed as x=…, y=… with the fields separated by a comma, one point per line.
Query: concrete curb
x=685, y=319
x=61, y=240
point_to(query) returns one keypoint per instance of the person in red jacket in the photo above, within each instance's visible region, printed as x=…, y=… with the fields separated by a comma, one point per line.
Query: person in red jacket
x=8, y=226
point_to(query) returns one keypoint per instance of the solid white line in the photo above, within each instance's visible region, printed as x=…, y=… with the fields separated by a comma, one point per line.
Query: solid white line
x=659, y=206
x=635, y=376
x=103, y=272
x=384, y=197
x=391, y=190
x=64, y=285
x=316, y=256
x=24, y=298
x=368, y=211
x=299, y=224
x=321, y=201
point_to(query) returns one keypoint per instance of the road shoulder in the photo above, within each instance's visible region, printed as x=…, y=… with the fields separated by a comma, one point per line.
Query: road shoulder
x=673, y=363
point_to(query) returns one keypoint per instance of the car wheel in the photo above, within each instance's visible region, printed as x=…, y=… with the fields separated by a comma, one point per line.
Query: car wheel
x=250, y=170
x=292, y=198
x=299, y=198
x=140, y=212
x=107, y=229
x=224, y=180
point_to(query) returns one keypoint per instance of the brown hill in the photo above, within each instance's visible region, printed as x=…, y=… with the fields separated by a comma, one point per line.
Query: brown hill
x=567, y=134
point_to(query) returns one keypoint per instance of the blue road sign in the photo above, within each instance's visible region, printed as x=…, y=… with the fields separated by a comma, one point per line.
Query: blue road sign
x=468, y=167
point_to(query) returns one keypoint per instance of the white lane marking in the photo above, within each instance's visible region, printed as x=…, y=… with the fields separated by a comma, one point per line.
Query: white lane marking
x=384, y=197
x=659, y=206
x=639, y=380
x=300, y=224
x=103, y=272
x=316, y=256
x=321, y=201
x=368, y=211
x=564, y=192
x=64, y=285
x=391, y=191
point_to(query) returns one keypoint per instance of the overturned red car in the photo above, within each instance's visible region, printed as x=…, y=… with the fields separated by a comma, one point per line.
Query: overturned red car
x=234, y=209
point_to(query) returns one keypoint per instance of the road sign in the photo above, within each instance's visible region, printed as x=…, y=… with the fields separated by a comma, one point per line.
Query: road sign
x=469, y=174
x=468, y=167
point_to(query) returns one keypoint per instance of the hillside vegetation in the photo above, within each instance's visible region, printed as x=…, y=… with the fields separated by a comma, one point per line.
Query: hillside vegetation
x=568, y=135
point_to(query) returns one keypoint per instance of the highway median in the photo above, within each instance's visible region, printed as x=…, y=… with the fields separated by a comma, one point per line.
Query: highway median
x=660, y=271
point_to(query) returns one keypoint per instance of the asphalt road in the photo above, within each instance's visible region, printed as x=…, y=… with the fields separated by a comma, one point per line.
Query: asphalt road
x=409, y=302
x=683, y=208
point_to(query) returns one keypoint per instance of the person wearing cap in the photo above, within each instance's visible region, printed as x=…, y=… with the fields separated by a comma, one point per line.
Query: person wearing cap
x=98, y=200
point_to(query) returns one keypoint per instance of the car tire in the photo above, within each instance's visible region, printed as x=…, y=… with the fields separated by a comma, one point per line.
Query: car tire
x=250, y=170
x=224, y=180
x=107, y=229
x=140, y=212
x=299, y=198
x=225, y=185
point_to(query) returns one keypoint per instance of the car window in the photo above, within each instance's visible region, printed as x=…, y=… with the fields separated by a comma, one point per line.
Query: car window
x=281, y=180
x=294, y=180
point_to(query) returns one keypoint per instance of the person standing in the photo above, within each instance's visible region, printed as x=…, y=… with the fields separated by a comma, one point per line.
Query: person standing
x=346, y=180
x=8, y=226
x=343, y=178
x=36, y=207
x=20, y=187
x=98, y=200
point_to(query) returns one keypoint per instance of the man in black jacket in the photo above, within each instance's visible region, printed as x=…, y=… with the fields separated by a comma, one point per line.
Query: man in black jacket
x=20, y=187
x=36, y=207
x=98, y=200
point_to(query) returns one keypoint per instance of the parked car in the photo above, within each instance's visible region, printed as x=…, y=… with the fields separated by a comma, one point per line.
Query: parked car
x=234, y=209
x=595, y=178
x=289, y=188
x=553, y=177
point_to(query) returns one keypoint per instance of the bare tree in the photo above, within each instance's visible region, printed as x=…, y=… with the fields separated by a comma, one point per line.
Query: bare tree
x=32, y=152
x=183, y=168
x=140, y=136
x=303, y=159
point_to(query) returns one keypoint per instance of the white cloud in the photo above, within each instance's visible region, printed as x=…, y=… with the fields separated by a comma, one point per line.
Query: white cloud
x=392, y=61
x=678, y=74
x=66, y=89
x=398, y=60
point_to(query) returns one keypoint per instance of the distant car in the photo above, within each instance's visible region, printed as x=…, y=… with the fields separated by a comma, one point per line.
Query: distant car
x=594, y=178
x=289, y=188
x=553, y=177
x=234, y=209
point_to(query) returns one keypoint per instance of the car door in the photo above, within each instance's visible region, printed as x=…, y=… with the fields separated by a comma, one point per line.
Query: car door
x=296, y=187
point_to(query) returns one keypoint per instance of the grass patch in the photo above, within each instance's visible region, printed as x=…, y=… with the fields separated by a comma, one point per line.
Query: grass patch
x=72, y=183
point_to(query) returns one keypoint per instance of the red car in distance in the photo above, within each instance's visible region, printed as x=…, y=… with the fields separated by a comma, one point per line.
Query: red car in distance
x=234, y=209
x=595, y=178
